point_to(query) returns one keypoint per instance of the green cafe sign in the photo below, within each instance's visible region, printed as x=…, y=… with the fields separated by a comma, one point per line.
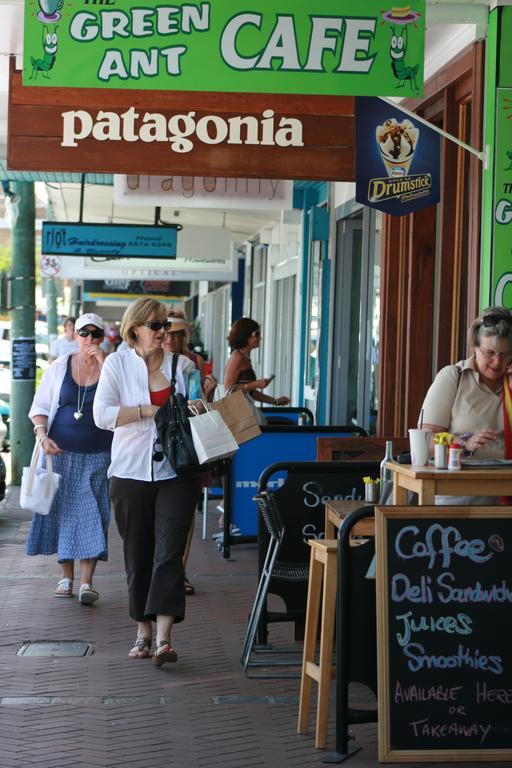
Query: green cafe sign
x=335, y=47
x=502, y=219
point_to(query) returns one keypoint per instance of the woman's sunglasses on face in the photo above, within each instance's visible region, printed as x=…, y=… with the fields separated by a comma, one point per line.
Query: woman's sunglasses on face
x=97, y=333
x=174, y=334
x=156, y=325
x=257, y=334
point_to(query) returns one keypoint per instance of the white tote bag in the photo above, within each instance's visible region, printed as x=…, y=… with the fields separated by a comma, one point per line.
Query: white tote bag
x=38, y=486
x=213, y=440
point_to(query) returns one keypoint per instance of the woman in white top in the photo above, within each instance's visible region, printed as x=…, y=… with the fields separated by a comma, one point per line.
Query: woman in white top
x=153, y=507
x=66, y=343
x=77, y=526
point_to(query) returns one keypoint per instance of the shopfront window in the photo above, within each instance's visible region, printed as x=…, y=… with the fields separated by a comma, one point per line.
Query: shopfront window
x=315, y=309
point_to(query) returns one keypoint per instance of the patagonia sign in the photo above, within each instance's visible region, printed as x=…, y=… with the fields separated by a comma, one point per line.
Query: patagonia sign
x=397, y=159
x=180, y=130
x=266, y=46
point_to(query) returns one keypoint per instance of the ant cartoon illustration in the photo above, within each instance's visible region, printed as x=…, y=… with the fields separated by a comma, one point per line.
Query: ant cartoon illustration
x=50, y=45
x=397, y=52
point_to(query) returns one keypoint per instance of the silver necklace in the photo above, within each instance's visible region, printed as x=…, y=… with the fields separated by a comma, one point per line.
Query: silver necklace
x=78, y=414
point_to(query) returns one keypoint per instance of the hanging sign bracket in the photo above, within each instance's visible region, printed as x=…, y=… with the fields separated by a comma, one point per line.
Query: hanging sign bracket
x=482, y=155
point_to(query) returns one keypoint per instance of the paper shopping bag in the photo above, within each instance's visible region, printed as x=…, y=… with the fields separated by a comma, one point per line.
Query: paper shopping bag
x=38, y=486
x=212, y=437
x=238, y=415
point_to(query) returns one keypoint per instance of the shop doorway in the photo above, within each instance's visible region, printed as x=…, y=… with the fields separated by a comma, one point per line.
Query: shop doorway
x=356, y=308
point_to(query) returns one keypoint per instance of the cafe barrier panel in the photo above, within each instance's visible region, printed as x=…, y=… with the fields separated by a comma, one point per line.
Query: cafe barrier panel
x=276, y=443
x=300, y=500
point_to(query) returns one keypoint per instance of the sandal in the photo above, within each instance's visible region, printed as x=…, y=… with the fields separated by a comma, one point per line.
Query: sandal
x=189, y=588
x=141, y=648
x=64, y=588
x=164, y=653
x=87, y=594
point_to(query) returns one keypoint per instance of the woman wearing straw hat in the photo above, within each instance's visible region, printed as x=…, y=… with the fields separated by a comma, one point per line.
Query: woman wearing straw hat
x=176, y=341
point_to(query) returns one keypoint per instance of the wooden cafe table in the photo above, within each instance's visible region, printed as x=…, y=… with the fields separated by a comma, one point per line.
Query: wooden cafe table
x=336, y=511
x=428, y=482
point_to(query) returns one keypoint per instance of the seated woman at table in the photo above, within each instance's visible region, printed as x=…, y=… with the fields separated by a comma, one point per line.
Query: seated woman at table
x=469, y=399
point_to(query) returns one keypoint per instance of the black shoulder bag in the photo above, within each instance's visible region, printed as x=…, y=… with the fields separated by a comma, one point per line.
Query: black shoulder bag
x=173, y=426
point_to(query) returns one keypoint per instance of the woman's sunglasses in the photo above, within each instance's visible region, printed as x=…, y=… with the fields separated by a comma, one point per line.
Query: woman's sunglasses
x=156, y=325
x=97, y=333
x=491, y=321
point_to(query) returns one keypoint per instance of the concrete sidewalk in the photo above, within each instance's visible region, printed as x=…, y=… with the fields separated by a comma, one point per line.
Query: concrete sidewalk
x=107, y=711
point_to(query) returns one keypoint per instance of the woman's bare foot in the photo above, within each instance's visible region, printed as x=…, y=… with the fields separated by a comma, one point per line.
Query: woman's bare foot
x=164, y=654
x=141, y=648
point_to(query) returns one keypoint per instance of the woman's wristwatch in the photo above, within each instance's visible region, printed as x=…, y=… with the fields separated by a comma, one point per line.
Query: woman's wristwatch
x=462, y=440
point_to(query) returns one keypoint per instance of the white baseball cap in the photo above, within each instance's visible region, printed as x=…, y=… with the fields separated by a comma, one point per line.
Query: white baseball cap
x=90, y=318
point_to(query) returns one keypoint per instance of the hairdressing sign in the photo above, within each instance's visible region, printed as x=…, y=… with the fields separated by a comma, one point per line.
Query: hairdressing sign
x=108, y=240
x=397, y=159
x=266, y=46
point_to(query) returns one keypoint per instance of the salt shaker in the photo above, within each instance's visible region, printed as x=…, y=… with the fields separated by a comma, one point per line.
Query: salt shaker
x=455, y=456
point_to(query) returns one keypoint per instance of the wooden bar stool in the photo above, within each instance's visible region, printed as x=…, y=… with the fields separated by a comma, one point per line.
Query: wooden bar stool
x=321, y=592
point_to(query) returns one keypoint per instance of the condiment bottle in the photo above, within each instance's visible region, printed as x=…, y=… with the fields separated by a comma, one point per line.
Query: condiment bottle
x=455, y=456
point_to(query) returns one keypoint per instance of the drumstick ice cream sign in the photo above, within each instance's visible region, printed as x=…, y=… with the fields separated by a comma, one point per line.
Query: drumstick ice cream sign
x=265, y=46
x=397, y=159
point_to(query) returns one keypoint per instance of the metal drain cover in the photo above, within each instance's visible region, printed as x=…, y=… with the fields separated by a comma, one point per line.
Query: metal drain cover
x=56, y=648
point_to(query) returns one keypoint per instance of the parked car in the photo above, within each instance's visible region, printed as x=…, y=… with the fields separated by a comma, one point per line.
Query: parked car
x=41, y=336
x=4, y=430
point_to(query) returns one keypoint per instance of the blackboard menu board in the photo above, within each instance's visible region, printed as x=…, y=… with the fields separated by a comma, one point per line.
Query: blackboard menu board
x=444, y=597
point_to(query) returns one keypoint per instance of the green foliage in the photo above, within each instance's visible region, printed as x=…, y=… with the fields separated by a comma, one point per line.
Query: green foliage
x=5, y=258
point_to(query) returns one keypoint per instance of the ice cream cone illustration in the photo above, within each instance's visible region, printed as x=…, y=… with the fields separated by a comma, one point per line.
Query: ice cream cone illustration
x=397, y=143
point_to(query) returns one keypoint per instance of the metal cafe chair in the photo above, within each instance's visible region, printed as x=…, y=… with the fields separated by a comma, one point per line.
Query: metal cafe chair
x=272, y=569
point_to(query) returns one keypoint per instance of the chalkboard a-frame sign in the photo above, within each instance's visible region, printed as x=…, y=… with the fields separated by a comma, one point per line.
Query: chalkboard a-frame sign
x=444, y=618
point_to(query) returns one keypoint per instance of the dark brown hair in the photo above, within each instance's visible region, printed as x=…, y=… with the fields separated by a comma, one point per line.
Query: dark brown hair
x=240, y=332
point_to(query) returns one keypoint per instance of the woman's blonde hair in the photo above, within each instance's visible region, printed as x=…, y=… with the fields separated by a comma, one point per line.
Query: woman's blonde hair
x=138, y=312
x=493, y=322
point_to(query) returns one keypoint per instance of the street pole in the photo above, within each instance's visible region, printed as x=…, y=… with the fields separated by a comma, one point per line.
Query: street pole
x=51, y=295
x=51, y=308
x=23, y=362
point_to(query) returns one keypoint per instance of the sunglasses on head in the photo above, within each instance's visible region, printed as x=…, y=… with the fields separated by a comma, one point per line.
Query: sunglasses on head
x=491, y=321
x=156, y=325
x=96, y=333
